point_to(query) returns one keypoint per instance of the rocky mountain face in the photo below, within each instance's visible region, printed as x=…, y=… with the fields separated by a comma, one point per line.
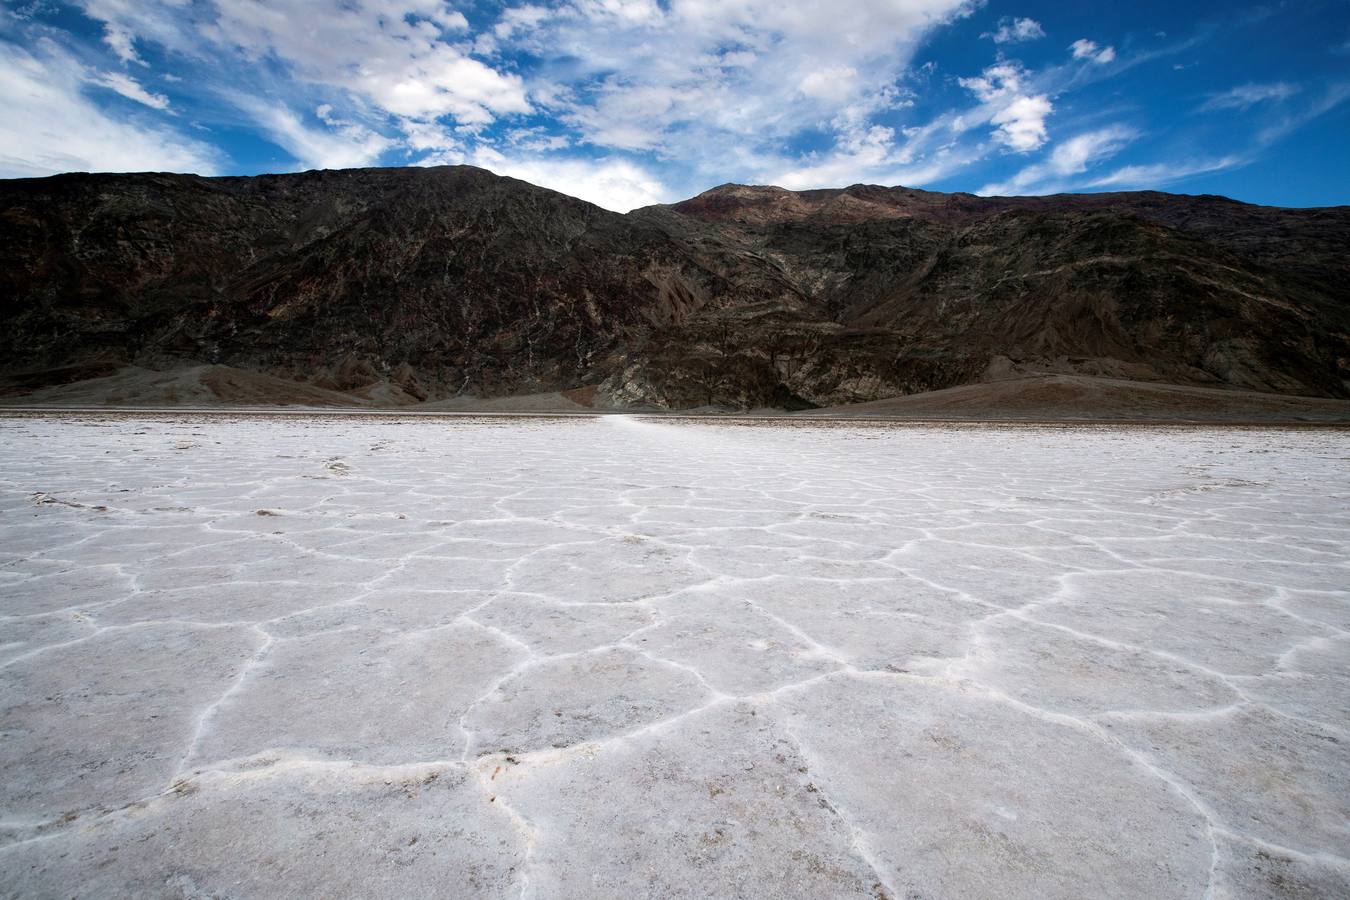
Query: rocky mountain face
x=451, y=281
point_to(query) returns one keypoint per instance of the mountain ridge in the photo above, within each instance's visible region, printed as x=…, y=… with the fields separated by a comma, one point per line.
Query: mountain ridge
x=456, y=281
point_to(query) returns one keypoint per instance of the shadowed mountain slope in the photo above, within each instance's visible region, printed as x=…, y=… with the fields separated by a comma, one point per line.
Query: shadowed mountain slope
x=400, y=285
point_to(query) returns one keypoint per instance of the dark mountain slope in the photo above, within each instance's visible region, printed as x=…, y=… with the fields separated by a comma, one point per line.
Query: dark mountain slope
x=1307, y=241
x=1194, y=290
x=448, y=269
x=454, y=280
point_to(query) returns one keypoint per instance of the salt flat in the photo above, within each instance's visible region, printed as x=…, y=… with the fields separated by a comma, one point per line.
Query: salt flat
x=621, y=657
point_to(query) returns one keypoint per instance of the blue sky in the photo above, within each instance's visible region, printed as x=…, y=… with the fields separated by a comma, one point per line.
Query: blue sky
x=629, y=102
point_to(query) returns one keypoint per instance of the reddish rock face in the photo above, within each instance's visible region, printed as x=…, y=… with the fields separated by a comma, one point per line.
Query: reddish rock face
x=454, y=280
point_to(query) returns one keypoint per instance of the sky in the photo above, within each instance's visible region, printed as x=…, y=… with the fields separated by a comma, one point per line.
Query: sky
x=630, y=102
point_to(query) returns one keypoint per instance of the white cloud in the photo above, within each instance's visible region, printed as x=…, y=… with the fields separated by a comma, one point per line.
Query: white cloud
x=836, y=83
x=122, y=42
x=392, y=53
x=716, y=86
x=131, y=89
x=1090, y=51
x=1160, y=174
x=1071, y=157
x=129, y=22
x=1012, y=31
x=399, y=56
x=709, y=81
x=874, y=154
x=873, y=166
x=49, y=126
x=391, y=72
x=1247, y=95
x=700, y=89
x=615, y=184
x=520, y=17
x=332, y=144
x=921, y=154
x=867, y=150
x=534, y=140
x=1087, y=151
x=1077, y=153
x=1019, y=115
x=1330, y=98
x=1021, y=124
x=429, y=136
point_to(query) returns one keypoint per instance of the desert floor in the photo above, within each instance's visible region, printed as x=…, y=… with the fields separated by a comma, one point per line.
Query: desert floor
x=254, y=656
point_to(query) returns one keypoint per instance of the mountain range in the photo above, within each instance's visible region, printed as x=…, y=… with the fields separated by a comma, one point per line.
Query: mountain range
x=396, y=286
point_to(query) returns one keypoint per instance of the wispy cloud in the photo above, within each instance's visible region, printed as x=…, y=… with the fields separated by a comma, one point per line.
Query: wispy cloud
x=1246, y=95
x=50, y=125
x=1324, y=102
x=1156, y=175
x=1089, y=50
x=1069, y=158
x=131, y=89
x=1015, y=31
x=698, y=83
x=122, y=42
x=397, y=55
x=326, y=142
x=694, y=77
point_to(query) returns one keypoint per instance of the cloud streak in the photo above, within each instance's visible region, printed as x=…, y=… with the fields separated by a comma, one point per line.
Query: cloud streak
x=1069, y=158
x=1245, y=96
x=50, y=125
x=1015, y=31
x=131, y=89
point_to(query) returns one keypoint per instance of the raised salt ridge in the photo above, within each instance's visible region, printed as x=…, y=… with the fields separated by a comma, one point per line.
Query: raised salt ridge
x=364, y=656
